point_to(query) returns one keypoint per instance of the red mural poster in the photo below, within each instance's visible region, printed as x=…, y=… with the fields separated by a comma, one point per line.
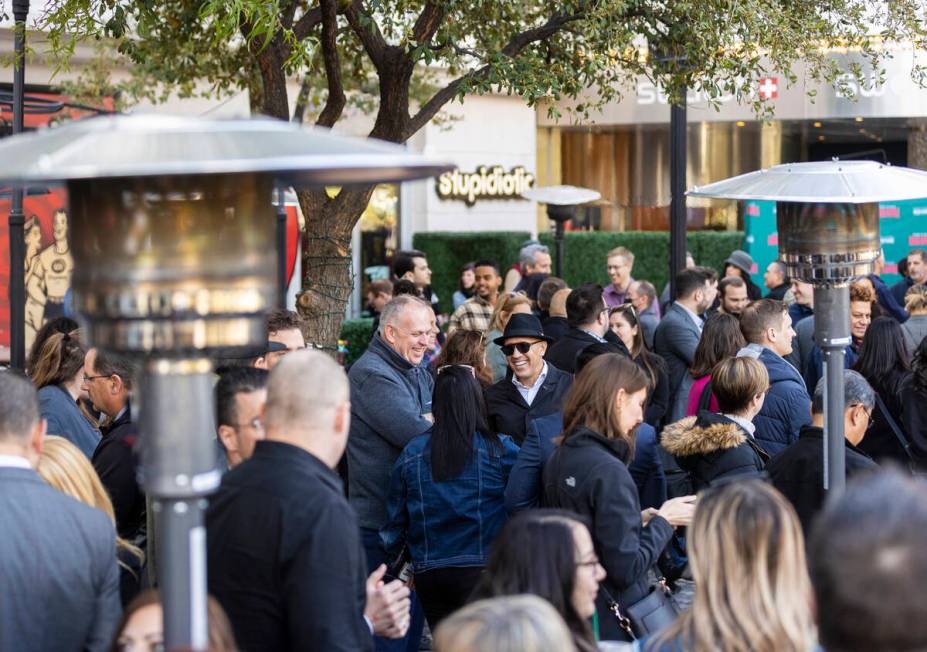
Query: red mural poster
x=49, y=264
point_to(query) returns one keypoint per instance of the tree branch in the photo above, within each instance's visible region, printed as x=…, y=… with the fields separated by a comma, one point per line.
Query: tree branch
x=371, y=38
x=513, y=48
x=428, y=22
x=334, y=104
x=307, y=22
x=302, y=99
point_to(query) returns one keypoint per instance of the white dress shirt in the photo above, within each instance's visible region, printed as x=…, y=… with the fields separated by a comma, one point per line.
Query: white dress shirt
x=14, y=461
x=528, y=393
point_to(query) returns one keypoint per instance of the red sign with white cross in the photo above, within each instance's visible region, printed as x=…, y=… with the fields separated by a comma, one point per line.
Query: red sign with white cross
x=769, y=87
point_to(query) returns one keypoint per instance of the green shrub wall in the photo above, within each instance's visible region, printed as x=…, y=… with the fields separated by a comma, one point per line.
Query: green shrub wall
x=357, y=334
x=584, y=253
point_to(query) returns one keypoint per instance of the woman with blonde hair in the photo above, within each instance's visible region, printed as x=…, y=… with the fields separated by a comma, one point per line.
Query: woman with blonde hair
x=752, y=592
x=58, y=372
x=64, y=467
x=915, y=328
x=506, y=306
x=516, y=623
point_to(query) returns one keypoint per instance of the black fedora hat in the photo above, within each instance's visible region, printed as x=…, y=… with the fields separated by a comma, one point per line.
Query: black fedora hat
x=522, y=325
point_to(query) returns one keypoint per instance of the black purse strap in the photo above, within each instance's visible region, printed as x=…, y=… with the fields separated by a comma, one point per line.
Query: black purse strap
x=905, y=444
x=704, y=399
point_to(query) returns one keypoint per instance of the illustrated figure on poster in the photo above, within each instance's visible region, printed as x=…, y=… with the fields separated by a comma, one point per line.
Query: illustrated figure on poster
x=35, y=297
x=48, y=275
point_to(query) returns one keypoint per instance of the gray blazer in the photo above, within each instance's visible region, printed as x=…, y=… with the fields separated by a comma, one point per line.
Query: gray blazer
x=915, y=330
x=675, y=340
x=803, y=347
x=649, y=322
x=58, y=573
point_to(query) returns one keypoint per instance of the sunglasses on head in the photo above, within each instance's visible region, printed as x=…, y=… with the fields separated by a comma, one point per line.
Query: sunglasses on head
x=521, y=347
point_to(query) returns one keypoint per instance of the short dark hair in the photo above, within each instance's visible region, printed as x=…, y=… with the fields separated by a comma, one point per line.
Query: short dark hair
x=281, y=319
x=584, y=304
x=868, y=565
x=692, y=279
x=759, y=316
x=234, y=381
x=404, y=286
x=19, y=407
x=590, y=353
x=404, y=261
x=487, y=262
x=730, y=282
x=548, y=289
x=109, y=363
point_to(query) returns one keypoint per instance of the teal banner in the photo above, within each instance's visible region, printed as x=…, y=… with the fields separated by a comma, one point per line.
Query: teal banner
x=902, y=227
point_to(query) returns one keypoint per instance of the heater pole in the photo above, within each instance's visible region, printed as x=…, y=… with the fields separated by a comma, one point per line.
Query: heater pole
x=832, y=334
x=180, y=469
x=677, y=191
x=281, y=247
x=16, y=220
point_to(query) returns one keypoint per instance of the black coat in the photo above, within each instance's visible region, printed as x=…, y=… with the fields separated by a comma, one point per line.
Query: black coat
x=914, y=420
x=555, y=327
x=881, y=443
x=116, y=461
x=508, y=412
x=284, y=554
x=562, y=353
x=778, y=292
x=588, y=474
x=711, y=448
x=798, y=472
x=659, y=397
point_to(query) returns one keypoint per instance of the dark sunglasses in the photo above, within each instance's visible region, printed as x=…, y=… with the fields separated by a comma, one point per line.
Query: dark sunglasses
x=522, y=347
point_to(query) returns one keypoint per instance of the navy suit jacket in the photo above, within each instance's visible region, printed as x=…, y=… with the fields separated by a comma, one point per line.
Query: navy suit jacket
x=525, y=486
x=60, y=581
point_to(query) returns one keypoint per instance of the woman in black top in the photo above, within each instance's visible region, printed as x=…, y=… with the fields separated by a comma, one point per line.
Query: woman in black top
x=625, y=324
x=883, y=361
x=914, y=402
x=588, y=474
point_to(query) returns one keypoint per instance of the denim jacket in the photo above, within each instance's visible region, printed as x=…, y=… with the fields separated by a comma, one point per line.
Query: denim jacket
x=450, y=523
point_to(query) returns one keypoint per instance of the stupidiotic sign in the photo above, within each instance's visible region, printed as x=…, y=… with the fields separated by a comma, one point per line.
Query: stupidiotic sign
x=487, y=182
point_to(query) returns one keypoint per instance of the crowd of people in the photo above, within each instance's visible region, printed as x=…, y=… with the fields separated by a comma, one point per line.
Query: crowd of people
x=535, y=468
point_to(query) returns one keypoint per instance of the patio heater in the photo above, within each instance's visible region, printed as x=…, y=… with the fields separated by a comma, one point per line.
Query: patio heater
x=827, y=215
x=561, y=207
x=173, y=237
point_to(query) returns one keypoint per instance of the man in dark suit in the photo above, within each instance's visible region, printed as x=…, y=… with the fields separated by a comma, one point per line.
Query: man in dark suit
x=587, y=315
x=679, y=330
x=109, y=381
x=533, y=387
x=776, y=280
x=284, y=552
x=57, y=556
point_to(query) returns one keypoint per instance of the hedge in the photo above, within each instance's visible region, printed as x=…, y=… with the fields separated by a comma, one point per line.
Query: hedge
x=356, y=332
x=584, y=252
x=449, y=251
x=584, y=258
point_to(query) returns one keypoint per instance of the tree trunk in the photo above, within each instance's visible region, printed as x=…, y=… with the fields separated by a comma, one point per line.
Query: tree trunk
x=327, y=279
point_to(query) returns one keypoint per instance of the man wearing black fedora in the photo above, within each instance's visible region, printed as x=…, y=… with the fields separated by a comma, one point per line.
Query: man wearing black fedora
x=531, y=388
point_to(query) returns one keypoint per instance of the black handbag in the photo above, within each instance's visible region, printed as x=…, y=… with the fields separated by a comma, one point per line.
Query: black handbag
x=648, y=615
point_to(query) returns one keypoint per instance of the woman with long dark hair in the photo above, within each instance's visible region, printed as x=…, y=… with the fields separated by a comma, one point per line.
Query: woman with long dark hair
x=914, y=406
x=624, y=322
x=721, y=338
x=883, y=361
x=548, y=553
x=446, y=495
x=588, y=474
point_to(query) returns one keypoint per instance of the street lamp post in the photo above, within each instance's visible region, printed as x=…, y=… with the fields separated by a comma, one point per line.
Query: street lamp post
x=678, y=215
x=174, y=264
x=17, y=290
x=561, y=208
x=827, y=216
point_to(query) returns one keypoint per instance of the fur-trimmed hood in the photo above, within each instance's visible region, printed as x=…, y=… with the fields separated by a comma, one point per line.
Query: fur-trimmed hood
x=692, y=436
